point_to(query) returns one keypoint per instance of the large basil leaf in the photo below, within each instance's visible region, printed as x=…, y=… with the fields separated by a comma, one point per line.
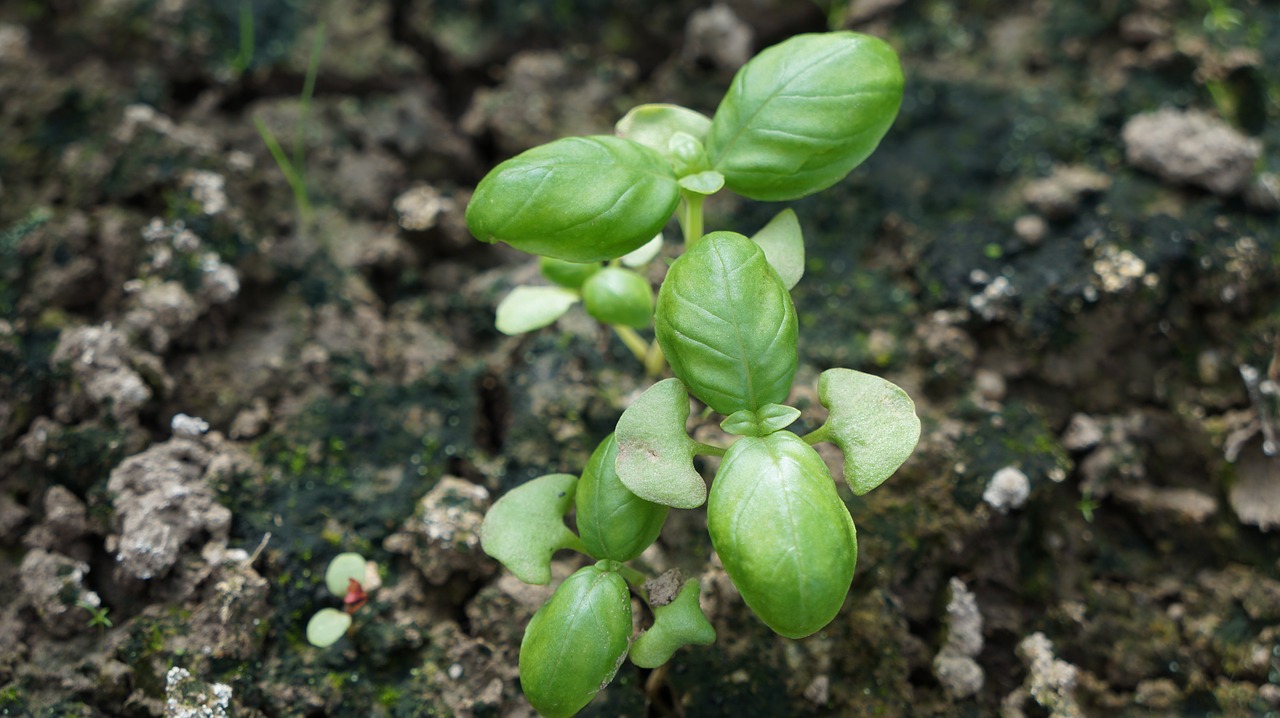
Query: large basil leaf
x=727, y=325
x=575, y=642
x=802, y=114
x=782, y=533
x=526, y=526
x=613, y=522
x=872, y=420
x=655, y=454
x=580, y=199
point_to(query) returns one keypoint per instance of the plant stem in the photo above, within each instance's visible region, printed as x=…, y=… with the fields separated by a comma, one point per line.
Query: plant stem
x=654, y=360
x=304, y=102
x=296, y=183
x=638, y=346
x=818, y=435
x=691, y=217
x=634, y=578
x=245, y=56
x=709, y=450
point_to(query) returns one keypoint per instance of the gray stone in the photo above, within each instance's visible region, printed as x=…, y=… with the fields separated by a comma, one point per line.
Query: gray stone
x=1191, y=147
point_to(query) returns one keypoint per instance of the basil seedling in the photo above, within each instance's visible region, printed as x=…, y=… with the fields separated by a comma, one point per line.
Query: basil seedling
x=796, y=120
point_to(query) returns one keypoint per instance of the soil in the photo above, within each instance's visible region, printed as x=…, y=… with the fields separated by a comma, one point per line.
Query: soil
x=1067, y=250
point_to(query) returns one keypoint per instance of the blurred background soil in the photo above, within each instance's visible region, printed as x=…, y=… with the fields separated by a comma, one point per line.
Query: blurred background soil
x=1066, y=249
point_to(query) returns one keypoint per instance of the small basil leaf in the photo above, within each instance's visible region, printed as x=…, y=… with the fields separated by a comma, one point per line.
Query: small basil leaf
x=783, y=245
x=675, y=625
x=645, y=254
x=567, y=274
x=653, y=126
x=327, y=626
x=707, y=183
x=613, y=522
x=768, y=419
x=343, y=568
x=782, y=533
x=575, y=642
x=802, y=114
x=529, y=308
x=526, y=526
x=727, y=325
x=655, y=454
x=873, y=422
x=580, y=199
x=687, y=154
x=619, y=296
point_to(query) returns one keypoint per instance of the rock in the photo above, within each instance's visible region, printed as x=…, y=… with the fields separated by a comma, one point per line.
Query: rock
x=102, y=366
x=12, y=516
x=251, y=422
x=1009, y=488
x=1255, y=496
x=1050, y=682
x=365, y=180
x=954, y=665
x=187, y=697
x=718, y=37
x=556, y=98
x=1186, y=504
x=162, y=502
x=161, y=312
x=1191, y=147
x=1059, y=195
x=1031, y=228
x=1263, y=193
x=65, y=522
x=188, y=427
x=1083, y=433
x=443, y=535
x=53, y=584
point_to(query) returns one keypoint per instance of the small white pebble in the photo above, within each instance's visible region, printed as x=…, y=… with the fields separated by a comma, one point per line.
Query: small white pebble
x=455, y=671
x=1009, y=488
x=189, y=427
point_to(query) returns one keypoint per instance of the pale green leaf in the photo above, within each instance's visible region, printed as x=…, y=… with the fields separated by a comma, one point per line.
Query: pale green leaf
x=653, y=125
x=655, y=454
x=783, y=245
x=708, y=182
x=327, y=626
x=526, y=526
x=873, y=422
x=343, y=568
x=675, y=625
x=645, y=254
x=529, y=308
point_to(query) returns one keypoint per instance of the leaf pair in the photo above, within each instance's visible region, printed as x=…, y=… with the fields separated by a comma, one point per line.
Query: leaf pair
x=797, y=118
x=613, y=295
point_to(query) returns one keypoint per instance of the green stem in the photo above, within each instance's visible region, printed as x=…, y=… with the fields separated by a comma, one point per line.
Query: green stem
x=655, y=362
x=709, y=450
x=638, y=346
x=304, y=104
x=633, y=577
x=245, y=56
x=291, y=175
x=818, y=435
x=691, y=217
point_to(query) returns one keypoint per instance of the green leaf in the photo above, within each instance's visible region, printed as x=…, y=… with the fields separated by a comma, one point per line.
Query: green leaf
x=327, y=626
x=655, y=454
x=782, y=533
x=687, y=155
x=768, y=419
x=783, y=245
x=524, y=528
x=567, y=274
x=619, y=296
x=727, y=324
x=575, y=642
x=708, y=182
x=613, y=522
x=675, y=625
x=342, y=568
x=802, y=114
x=529, y=308
x=873, y=422
x=653, y=126
x=645, y=254
x=580, y=199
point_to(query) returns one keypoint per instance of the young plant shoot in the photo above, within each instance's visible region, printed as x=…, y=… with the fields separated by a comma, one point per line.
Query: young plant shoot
x=347, y=577
x=797, y=119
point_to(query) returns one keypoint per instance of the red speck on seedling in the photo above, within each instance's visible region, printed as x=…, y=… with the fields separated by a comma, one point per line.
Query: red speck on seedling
x=355, y=598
